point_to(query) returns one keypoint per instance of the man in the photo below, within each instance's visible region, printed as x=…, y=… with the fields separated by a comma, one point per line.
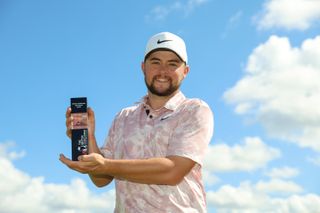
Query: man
x=155, y=149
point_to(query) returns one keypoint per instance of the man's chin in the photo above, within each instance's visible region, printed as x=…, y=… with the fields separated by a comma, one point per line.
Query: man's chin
x=163, y=93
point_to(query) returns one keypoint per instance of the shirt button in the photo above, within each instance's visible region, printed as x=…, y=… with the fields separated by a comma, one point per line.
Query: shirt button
x=150, y=116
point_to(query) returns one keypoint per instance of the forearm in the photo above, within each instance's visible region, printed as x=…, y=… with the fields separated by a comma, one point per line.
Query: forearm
x=98, y=180
x=148, y=171
x=101, y=180
x=161, y=171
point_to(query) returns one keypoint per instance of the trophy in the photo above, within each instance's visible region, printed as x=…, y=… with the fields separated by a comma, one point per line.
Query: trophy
x=79, y=127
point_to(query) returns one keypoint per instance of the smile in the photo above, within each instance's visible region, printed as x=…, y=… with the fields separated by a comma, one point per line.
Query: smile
x=162, y=80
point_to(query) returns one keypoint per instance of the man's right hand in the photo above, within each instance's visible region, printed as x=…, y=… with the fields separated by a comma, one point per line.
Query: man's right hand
x=68, y=122
x=91, y=122
x=100, y=180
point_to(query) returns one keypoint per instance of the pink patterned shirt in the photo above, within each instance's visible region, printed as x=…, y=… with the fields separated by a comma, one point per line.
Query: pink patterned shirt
x=183, y=127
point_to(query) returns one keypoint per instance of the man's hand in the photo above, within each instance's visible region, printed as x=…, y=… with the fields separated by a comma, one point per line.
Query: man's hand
x=91, y=122
x=91, y=164
x=88, y=164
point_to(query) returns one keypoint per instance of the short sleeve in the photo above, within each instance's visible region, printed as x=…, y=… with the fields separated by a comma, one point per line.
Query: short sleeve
x=193, y=133
x=107, y=149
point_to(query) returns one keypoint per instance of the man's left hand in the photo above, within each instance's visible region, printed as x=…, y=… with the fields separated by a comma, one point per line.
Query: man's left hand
x=87, y=164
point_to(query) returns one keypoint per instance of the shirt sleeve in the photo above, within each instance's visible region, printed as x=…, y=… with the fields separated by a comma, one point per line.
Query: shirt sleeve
x=107, y=149
x=191, y=137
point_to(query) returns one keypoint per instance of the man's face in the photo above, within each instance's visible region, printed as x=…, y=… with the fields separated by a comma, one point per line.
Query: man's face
x=164, y=72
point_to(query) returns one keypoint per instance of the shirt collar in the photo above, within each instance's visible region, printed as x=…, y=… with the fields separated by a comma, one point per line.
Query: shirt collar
x=172, y=104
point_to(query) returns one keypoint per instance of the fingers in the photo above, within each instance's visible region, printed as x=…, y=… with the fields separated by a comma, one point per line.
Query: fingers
x=81, y=167
x=81, y=158
x=91, y=116
x=65, y=160
x=90, y=112
x=86, y=158
x=91, y=119
x=68, y=116
x=68, y=122
x=68, y=112
x=87, y=164
x=68, y=133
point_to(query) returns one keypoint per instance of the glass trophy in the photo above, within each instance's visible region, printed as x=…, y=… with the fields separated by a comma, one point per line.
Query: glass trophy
x=79, y=127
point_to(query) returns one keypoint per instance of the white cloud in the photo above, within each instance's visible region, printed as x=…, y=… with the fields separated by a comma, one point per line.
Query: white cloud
x=192, y=4
x=234, y=19
x=232, y=199
x=281, y=90
x=289, y=14
x=22, y=193
x=278, y=186
x=233, y=22
x=209, y=178
x=314, y=160
x=251, y=155
x=4, y=151
x=255, y=198
x=161, y=12
x=285, y=172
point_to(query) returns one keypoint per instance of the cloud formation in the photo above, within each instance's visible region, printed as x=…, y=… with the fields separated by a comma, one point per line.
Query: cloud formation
x=249, y=156
x=23, y=193
x=314, y=160
x=256, y=198
x=284, y=172
x=289, y=14
x=281, y=90
x=161, y=12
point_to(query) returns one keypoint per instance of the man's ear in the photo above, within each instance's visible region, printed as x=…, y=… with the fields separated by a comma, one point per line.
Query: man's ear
x=143, y=68
x=186, y=71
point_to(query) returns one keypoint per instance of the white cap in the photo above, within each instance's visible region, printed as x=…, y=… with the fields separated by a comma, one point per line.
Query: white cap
x=166, y=40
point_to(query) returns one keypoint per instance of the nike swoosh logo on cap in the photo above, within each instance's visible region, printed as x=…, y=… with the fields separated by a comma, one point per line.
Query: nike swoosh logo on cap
x=159, y=42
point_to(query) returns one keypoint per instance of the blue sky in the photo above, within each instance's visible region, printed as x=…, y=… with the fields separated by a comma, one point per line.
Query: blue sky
x=256, y=63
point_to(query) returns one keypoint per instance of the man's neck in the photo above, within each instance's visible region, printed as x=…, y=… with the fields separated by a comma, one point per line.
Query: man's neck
x=157, y=102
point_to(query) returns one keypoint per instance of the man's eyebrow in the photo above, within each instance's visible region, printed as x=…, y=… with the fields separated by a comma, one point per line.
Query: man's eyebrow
x=154, y=59
x=175, y=60
x=171, y=60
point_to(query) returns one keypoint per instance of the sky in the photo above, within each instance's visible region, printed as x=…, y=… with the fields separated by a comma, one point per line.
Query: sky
x=256, y=63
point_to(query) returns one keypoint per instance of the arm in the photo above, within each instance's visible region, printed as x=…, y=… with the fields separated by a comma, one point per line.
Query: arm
x=167, y=170
x=162, y=171
x=98, y=180
x=186, y=148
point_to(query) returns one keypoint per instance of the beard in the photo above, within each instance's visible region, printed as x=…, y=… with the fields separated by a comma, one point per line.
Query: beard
x=169, y=91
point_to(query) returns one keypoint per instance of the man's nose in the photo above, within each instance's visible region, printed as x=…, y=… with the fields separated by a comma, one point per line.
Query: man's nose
x=164, y=68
